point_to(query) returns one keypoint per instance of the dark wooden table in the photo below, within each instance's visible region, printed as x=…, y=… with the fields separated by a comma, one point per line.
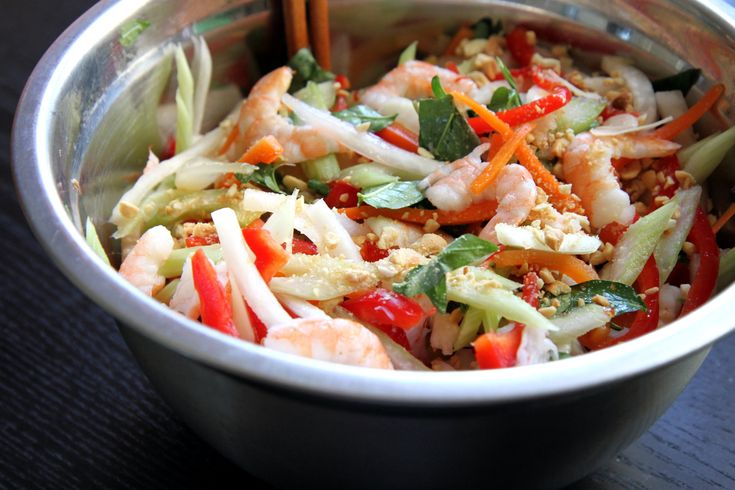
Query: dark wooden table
x=76, y=412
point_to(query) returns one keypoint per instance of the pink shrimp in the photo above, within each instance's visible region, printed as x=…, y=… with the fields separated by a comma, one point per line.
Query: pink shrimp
x=141, y=265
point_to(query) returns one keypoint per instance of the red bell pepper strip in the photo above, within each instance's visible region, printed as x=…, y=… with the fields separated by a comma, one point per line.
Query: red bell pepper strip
x=530, y=291
x=559, y=97
x=384, y=307
x=299, y=246
x=400, y=136
x=705, y=279
x=214, y=304
x=259, y=328
x=341, y=195
x=370, y=251
x=519, y=47
x=269, y=255
x=451, y=66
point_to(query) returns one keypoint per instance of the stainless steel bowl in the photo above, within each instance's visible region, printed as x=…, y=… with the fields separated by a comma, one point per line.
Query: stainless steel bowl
x=85, y=121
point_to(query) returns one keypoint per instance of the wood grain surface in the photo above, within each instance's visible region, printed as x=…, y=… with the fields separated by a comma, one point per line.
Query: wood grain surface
x=76, y=412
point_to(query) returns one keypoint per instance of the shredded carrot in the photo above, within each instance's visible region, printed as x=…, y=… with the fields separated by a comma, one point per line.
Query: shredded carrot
x=463, y=33
x=566, y=264
x=496, y=142
x=540, y=174
x=686, y=120
x=503, y=156
x=481, y=211
x=266, y=150
x=231, y=137
x=722, y=220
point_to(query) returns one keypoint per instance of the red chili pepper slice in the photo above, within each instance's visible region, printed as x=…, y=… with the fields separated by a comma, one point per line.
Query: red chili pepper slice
x=384, y=307
x=705, y=279
x=341, y=195
x=400, y=136
x=519, y=47
x=215, y=306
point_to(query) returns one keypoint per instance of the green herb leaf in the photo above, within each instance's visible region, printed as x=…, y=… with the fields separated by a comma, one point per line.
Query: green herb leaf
x=318, y=186
x=486, y=27
x=622, y=298
x=265, y=176
x=501, y=100
x=131, y=30
x=514, y=99
x=683, y=81
x=430, y=278
x=307, y=70
x=408, y=54
x=436, y=87
x=393, y=195
x=361, y=114
x=442, y=129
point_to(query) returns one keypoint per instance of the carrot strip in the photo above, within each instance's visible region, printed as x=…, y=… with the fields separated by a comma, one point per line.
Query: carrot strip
x=496, y=142
x=566, y=264
x=231, y=137
x=463, y=33
x=491, y=171
x=540, y=174
x=722, y=220
x=686, y=120
x=481, y=211
x=266, y=150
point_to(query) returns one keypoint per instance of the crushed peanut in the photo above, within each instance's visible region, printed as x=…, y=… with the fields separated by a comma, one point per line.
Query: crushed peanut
x=686, y=180
x=600, y=300
x=548, y=311
x=651, y=291
x=631, y=170
x=689, y=248
x=546, y=276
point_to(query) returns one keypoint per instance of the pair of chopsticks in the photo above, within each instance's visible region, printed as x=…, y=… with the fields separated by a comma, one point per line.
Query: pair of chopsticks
x=297, y=32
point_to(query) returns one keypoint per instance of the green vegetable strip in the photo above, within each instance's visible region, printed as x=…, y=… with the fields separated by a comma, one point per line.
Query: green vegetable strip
x=147, y=209
x=184, y=102
x=637, y=244
x=579, y=115
x=490, y=321
x=306, y=70
x=165, y=294
x=727, y=269
x=324, y=169
x=408, y=54
x=706, y=158
x=198, y=206
x=93, y=240
x=469, y=327
x=174, y=265
x=685, y=154
x=667, y=250
x=365, y=175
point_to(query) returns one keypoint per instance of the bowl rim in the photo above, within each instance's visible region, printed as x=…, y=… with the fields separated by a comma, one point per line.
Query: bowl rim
x=31, y=160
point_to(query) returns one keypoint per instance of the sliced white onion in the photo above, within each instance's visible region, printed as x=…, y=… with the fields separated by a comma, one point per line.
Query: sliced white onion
x=335, y=240
x=672, y=103
x=366, y=144
x=302, y=308
x=618, y=130
x=240, y=316
x=202, y=71
x=354, y=228
x=186, y=299
x=239, y=259
x=200, y=172
x=535, y=93
x=281, y=222
x=639, y=84
x=578, y=322
x=625, y=120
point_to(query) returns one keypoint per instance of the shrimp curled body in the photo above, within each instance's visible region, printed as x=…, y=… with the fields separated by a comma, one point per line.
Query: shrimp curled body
x=259, y=117
x=141, y=265
x=332, y=340
x=587, y=165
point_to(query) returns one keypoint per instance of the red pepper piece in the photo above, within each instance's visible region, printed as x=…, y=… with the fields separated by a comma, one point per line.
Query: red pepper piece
x=383, y=307
x=371, y=252
x=530, y=291
x=199, y=241
x=305, y=247
x=341, y=195
x=269, y=255
x=451, y=66
x=559, y=97
x=400, y=136
x=214, y=303
x=259, y=328
x=340, y=103
x=705, y=279
x=343, y=81
x=519, y=47
x=397, y=335
x=495, y=350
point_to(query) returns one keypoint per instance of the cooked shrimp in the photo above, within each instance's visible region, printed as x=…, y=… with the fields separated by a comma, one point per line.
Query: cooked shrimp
x=515, y=192
x=333, y=340
x=141, y=265
x=259, y=117
x=395, y=92
x=587, y=165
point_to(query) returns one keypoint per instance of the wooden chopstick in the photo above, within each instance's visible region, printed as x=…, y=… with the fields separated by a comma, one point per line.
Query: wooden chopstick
x=297, y=36
x=319, y=27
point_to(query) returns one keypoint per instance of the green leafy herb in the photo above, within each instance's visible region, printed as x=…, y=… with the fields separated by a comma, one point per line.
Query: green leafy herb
x=683, y=81
x=408, y=54
x=318, y=186
x=361, y=114
x=486, y=27
x=393, y=195
x=306, y=70
x=443, y=130
x=265, y=176
x=430, y=278
x=502, y=100
x=622, y=298
x=436, y=87
x=131, y=30
x=514, y=99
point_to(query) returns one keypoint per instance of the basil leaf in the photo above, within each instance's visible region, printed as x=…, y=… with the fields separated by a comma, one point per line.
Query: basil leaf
x=442, y=129
x=361, y=114
x=131, y=31
x=393, y=195
x=430, y=278
x=436, y=87
x=265, y=176
x=318, y=186
x=622, y=298
x=306, y=70
x=683, y=81
x=501, y=100
x=486, y=27
x=514, y=99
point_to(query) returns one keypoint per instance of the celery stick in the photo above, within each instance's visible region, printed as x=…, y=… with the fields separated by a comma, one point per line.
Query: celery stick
x=184, y=102
x=726, y=274
x=490, y=321
x=686, y=153
x=579, y=115
x=324, y=169
x=93, y=240
x=174, y=264
x=198, y=206
x=165, y=294
x=365, y=175
x=578, y=322
x=408, y=54
x=705, y=159
x=318, y=95
x=469, y=327
x=668, y=248
x=637, y=244
x=149, y=207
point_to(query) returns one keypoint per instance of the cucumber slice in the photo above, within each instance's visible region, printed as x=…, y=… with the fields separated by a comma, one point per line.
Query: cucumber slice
x=580, y=114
